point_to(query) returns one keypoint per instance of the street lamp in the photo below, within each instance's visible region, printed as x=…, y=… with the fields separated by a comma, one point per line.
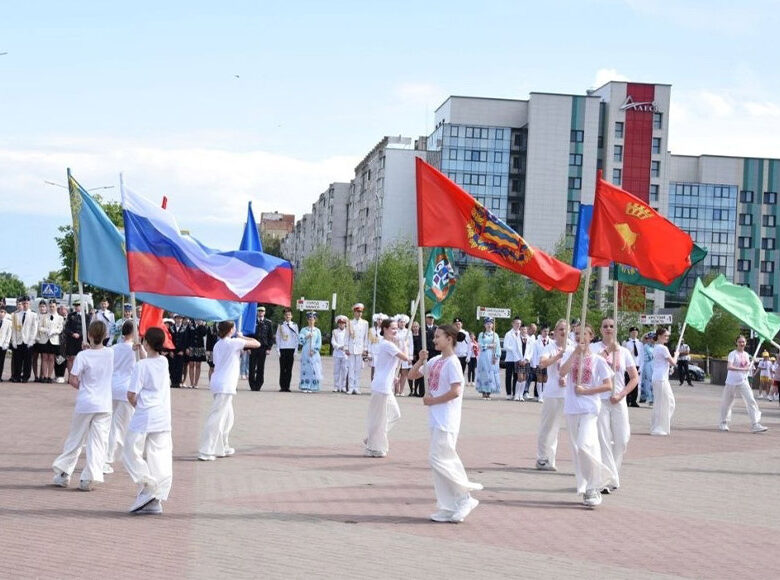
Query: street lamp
x=376, y=258
x=66, y=187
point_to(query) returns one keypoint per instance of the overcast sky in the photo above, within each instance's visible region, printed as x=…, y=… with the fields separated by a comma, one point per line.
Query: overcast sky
x=216, y=104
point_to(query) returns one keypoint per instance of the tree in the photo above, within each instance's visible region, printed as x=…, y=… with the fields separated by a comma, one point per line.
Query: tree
x=397, y=283
x=471, y=290
x=11, y=286
x=271, y=245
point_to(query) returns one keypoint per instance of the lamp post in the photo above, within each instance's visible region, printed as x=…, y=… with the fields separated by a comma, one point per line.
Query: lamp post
x=376, y=249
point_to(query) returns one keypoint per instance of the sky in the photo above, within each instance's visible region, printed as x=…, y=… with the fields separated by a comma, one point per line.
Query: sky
x=217, y=104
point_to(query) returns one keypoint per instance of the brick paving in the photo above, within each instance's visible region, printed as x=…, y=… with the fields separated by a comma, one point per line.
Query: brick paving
x=299, y=501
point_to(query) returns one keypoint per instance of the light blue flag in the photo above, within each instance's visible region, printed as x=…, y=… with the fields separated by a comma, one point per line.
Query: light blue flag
x=250, y=242
x=102, y=262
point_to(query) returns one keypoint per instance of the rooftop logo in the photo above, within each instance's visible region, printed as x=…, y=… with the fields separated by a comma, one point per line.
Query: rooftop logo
x=629, y=104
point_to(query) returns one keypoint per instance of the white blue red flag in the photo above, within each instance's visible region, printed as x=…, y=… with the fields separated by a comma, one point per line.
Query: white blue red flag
x=162, y=260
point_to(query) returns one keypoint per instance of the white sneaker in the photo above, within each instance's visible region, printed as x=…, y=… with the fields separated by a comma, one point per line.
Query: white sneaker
x=516, y=398
x=229, y=452
x=591, y=498
x=372, y=453
x=442, y=516
x=61, y=479
x=758, y=428
x=723, y=427
x=544, y=465
x=202, y=457
x=59, y=380
x=154, y=507
x=145, y=497
x=464, y=510
x=108, y=469
x=85, y=485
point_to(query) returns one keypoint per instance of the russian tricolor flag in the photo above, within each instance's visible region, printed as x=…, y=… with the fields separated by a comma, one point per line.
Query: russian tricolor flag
x=162, y=260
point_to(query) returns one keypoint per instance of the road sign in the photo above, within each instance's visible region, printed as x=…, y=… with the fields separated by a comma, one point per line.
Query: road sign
x=303, y=304
x=485, y=311
x=650, y=319
x=50, y=290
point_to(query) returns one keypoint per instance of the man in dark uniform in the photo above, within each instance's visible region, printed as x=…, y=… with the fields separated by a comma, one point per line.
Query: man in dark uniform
x=430, y=330
x=264, y=334
x=180, y=333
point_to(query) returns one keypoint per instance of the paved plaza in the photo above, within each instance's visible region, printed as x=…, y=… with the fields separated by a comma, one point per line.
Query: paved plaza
x=298, y=500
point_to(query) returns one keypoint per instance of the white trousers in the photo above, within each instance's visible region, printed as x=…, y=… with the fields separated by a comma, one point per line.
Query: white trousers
x=383, y=413
x=663, y=408
x=727, y=402
x=216, y=431
x=450, y=482
x=614, y=433
x=355, y=366
x=90, y=430
x=148, y=458
x=340, y=373
x=549, y=425
x=120, y=420
x=591, y=473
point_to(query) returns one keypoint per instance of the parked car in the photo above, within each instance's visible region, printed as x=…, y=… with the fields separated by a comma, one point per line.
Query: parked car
x=695, y=371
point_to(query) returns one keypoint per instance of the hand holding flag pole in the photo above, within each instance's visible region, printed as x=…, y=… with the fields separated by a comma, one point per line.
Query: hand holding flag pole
x=753, y=365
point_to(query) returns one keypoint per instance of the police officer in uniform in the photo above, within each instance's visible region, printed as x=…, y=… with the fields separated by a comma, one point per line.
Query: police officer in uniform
x=264, y=334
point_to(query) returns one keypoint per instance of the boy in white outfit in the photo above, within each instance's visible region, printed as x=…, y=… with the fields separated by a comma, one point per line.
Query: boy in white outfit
x=224, y=382
x=739, y=368
x=339, y=343
x=148, y=452
x=91, y=375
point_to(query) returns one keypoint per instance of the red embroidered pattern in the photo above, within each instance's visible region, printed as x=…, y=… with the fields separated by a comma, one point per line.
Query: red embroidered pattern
x=587, y=371
x=433, y=379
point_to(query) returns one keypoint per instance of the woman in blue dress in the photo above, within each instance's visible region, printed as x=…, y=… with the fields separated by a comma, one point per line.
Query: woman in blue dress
x=310, y=339
x=487, y=362
x=646, y=392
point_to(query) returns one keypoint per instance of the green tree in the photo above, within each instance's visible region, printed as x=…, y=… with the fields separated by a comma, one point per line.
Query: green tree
x=11, y=286
x=471, y=290
x=718, y=340
x=397, y=283
x=271, y=245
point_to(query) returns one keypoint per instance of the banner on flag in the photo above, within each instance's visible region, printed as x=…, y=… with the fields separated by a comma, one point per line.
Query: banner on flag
x=440, y=278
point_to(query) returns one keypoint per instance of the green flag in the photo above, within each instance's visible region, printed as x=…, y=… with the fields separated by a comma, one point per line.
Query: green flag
x=440, y=278
x=629, y=275
x=744, y=304
x=699, y=308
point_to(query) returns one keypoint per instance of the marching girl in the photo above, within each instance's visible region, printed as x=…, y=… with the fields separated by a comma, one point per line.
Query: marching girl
x=739, y=368
x=487, y=364
x=374, y=337
x=663, y=397
x=581, y=407
x=614, y=428
x=403, y=339
x=339, y=342
x=383, y=411
x=444, y=400
x=310, y=339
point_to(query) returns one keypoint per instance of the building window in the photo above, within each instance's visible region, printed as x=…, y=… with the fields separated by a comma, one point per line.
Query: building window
x=617, y=176
x=575, y=159
x=453, y=154
x=476, y=133
x=469, y=132
x=653, y=192
x=770, y=197
x=745, y=219
x=496, y=181
x=575, y=183
x=573, y=206
x=453, y=130
x=767, y=266
x=619, y=129
x=655, y=169
x=766, y=290
x=658, y=120
x=515, y=185
x=718, y=261
x=495, y=203
x=617, y=154
x=746, y=196
x=767, y=243
x=498, y=157
x=745, y=242
x=720, y=238
x=453, y=176
x=720, y=215
x=577, y=136
x=600, y=144
x=499, y=134
x=768, y=221
x=743, y=265
x=656, y=145
x=686, y=212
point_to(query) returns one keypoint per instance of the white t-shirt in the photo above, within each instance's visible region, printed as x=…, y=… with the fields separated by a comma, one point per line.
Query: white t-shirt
x=552, y=388
x=594, y=376
x=124, y=363
x=386, y=361
x=660, y=364
x=152, y=383
x=741, y=360
x=622, y=359
x=227, y=365
x=94, y=367
x=440, y=378
x=765, y=368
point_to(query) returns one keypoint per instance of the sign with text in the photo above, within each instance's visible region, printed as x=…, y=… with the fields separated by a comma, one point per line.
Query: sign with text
x=303, y=304
x=652, y=319
x=487, y=311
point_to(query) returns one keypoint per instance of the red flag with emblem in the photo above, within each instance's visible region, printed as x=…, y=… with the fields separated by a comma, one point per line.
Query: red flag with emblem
x=628, y=231
x=449, y=217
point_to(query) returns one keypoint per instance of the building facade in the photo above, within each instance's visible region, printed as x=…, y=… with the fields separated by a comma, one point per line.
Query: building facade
x=275, y=224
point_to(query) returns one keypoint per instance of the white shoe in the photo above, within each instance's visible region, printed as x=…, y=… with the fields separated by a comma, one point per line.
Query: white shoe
x=442, y=516
x=229, y=452
x=372, y=453
x=59, y=380
x=61, y=479
x=723, y=427
x=85, y=485
x=509, y=398
x=464, y=510
x=202, y=457
x=145, y=497
x=591, y=498
x=108, y=469
x=154, y=507
x=544, y=465
x=758, y=428
x=517, y=398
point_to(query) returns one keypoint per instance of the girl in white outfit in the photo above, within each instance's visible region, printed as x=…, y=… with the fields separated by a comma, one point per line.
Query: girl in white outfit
x=581, y=407
x=91, y=375
x=739, y=366
x=339, y=343
x=444, y=399
x=663, y=397
x=383, y=411
x=614, y=428
x=403, y=339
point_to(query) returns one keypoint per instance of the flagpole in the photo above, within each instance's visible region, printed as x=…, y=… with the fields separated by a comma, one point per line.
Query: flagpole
x=679, y=340
x=75, y=268
x=569, y=300
x=615, y=304
x=421, y=302
x=584, y=318
x=83, y=314
x=755, y=354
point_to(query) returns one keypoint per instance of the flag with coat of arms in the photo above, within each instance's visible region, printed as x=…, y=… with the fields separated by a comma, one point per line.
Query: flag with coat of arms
x=440, y=278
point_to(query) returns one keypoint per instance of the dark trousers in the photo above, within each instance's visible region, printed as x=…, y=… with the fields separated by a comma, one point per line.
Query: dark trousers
x=510, y=379
x=633, y=395
x=257, y=368
x=2, y=362
x=682, y=372
x=59, y=369
x=177, y=368
x=286, y=358
x=472, y=370
x=462, y=360
x=21, y=363
x=417, y=387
